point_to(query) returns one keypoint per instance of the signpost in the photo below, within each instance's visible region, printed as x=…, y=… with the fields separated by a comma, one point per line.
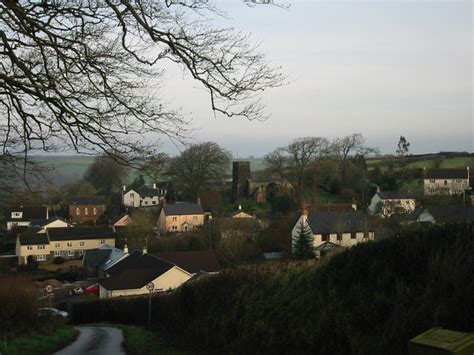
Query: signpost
x=49, y=289
x=150, y=287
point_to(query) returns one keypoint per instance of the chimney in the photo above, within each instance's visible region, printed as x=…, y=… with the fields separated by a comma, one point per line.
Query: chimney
x=125, y=249
x=304, y=209
x=378, y=188
x=199, y=201
x=240, y=207
x=144, y=250
x=124, y=188
x=354, y=204
x=154, y=186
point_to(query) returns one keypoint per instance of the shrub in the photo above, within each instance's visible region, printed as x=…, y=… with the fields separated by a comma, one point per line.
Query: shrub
x=369, y=299
x=19, y=304
x=59, y=260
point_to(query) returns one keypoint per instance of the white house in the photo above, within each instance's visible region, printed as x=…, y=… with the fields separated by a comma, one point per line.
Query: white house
x=27, y=216
x=131, y=275
x=143, y=196
x=387, y=203
x=446, y=181
x=340, y=228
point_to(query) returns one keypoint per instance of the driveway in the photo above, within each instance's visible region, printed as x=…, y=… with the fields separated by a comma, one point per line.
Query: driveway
x=95, y=341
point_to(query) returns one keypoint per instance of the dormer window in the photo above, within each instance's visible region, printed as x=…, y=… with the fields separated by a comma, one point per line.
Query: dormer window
x=17, y=214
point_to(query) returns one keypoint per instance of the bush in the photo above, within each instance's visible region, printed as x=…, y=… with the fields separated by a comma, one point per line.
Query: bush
x=19, y=304
x=369, y=299
x=59, y=260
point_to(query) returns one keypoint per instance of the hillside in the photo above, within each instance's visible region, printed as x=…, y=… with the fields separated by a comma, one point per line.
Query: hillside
x=367, y=300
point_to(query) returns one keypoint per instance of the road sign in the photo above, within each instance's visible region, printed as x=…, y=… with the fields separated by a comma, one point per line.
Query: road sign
x=49, y=288
x=150, y=286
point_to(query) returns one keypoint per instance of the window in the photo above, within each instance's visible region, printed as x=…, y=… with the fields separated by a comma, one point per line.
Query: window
x=353, y=235
x=132, y=195
x=146, y=202
x=445, y=182
x=154, y=202
x=174, y=228
x=339, y=236
x=41, y=257
x=17, y=214
x=86, y=211
x=70, y=253
x=81, y=244
x=102, y=241
x=40, y=247
x=69, y=244
x=57, y=245
x=195, y=218
x=30, y=247
x=78, y=211
x=325, y=237
x=57, y=253
x=432, y=181
x=94, y=211
x=175, y=218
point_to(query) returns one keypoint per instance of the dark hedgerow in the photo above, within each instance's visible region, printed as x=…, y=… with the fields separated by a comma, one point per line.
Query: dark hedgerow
x=369, y=299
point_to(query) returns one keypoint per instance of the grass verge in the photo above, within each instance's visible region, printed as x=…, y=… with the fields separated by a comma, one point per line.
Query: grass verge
x=139, y=340
x=39, y=343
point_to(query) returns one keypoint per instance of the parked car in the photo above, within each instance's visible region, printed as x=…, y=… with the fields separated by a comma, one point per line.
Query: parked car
x=92, y=288
x=52, y=312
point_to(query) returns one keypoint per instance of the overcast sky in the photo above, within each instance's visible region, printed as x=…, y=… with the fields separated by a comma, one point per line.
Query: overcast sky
x=381, y=68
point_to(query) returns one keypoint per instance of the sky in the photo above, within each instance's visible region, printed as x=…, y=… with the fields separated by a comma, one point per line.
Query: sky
x=380, y=68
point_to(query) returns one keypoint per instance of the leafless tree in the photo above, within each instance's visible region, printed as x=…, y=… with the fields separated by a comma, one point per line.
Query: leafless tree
x=276, y=163
x=198, y=165
x=154, y=166
x=349, y=145
x=293, y=161
x=82, y=75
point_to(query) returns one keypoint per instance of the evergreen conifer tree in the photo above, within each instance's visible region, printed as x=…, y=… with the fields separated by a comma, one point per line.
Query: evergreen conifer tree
x=303, y=245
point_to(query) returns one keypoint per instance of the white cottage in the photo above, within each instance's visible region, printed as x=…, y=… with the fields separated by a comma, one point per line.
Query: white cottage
x=343, y=229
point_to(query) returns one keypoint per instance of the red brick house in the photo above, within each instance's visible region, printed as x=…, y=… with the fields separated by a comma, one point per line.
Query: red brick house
x=86, y=209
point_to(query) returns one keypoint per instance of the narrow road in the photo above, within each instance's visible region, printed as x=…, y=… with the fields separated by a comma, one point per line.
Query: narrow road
x=95, y=341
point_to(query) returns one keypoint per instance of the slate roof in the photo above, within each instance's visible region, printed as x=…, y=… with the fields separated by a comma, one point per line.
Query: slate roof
x=183, y=208
x=446, y=174
x=93, y=258
x=79, y=233
x=33, y=239
x=103, y=257
x=92, y=200
x=447, y=214
x=193, y=261
x=29, y=213
x=395, y=195
x=334, y=222
x=135, y=271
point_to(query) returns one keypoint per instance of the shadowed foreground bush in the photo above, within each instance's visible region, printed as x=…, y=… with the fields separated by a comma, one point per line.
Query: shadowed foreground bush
x=18, y=304
x=367, y=300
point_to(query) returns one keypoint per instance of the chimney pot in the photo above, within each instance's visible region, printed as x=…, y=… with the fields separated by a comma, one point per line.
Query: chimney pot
x=125, y=249
x=124, y=188
x=154, y=185
x=144, y=251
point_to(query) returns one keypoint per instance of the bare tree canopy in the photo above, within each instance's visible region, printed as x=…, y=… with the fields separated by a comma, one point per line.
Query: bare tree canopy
x=353, y=144
x=198, y=165
x=291, y=162
x=79, y=75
